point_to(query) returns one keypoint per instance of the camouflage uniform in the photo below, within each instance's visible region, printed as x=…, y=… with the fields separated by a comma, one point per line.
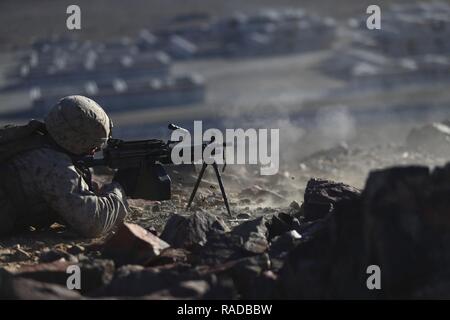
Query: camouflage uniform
x=47, y=187
x=54, y=190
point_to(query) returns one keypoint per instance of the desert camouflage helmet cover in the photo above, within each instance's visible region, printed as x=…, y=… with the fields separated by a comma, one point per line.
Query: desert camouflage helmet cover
x=78, y=124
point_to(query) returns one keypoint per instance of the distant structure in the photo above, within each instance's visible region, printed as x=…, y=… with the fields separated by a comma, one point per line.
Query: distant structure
x=135, y=72
x=411, y=47
x=268, y=32
x=367, y=69
x=64, y=67
x=120, y=75
x=407, y=30
x=119, y=95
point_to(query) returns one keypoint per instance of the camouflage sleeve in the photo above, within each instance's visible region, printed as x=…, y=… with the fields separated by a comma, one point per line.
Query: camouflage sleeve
x=67, y=193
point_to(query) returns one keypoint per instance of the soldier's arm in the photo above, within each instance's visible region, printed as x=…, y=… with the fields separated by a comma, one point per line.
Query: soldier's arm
x=67, y=193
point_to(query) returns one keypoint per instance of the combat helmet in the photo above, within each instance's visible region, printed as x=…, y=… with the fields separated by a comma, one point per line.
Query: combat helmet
x=78, y=124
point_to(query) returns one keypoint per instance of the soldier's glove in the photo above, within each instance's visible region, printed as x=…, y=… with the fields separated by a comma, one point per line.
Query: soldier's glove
x=128, y=179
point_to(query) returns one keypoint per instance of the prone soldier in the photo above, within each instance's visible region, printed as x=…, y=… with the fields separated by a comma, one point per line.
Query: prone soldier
x=41, y=183
x=46, y=178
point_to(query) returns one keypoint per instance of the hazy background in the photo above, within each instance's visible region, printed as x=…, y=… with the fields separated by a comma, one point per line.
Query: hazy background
x=313, y=109
x=22, y=21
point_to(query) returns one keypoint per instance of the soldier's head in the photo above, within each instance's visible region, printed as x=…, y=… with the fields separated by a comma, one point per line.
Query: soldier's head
x=78, y=124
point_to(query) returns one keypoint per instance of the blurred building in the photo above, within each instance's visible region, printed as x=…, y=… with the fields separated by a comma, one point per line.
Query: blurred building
x=407, y=30
x=46, y=69
x=411, y=47
x=363, y=68
x=268, y=32
x=135, y=72
x=121, y=95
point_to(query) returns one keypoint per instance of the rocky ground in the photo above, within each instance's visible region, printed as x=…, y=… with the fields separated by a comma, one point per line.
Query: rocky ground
x=295, y=235
x=246, y=201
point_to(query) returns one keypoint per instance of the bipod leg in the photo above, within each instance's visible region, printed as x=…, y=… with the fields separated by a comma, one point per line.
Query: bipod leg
x=197, y=183
x=222, y=189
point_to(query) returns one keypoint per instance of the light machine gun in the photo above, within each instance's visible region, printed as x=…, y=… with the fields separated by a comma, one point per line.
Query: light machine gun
x=141, y=164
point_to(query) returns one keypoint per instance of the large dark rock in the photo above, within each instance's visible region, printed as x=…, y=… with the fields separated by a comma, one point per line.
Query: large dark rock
x=191, y=231
x=133, y=244
x=280, y=223
x=333, y=208
x=282, y=244
x=326, y=262
x=220, y=248
x=325, y=266
x=305, y=273
x=254, y=235
x=251, y=276
x=170, y=256
x=246, y=240
x=18, y=288
x=323, y=197
x=401, y=223
x=176, y=281
x=94, y=273
x=407, y=225
x=136, y=281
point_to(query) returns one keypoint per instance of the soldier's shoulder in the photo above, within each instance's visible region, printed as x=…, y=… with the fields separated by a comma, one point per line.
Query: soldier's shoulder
x=47, y=155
